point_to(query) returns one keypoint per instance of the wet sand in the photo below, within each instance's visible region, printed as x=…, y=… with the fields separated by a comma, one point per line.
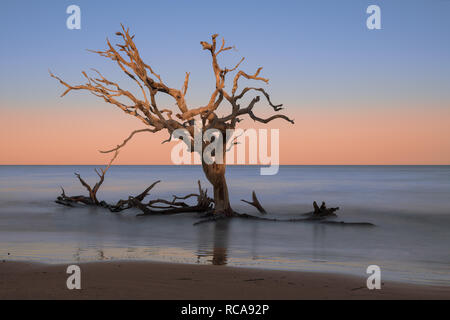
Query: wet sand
x=153, y=280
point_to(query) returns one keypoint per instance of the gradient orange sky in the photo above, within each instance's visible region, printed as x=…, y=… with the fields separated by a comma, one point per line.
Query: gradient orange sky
x=64, y=135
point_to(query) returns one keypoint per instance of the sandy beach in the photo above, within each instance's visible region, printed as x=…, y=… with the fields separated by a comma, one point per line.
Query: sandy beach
x=153, y=280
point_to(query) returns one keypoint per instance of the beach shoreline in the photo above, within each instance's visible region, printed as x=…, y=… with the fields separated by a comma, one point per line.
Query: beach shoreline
x=176, y=281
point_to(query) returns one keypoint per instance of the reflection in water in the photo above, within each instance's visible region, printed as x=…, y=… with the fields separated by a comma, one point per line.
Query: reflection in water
x=318, y=241
x=76, y=255
x=219, y=242
x=254, y=239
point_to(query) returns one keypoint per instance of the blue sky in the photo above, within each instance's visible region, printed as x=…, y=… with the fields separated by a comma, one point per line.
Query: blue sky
x=314, y=52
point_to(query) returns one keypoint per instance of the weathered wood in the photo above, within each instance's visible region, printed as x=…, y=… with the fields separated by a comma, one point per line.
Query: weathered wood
x=204, y=205
x=152, y=207
x=255, y=202
x=145, y=108
x=323, y=210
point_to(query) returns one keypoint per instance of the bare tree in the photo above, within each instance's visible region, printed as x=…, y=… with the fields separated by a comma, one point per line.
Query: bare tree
x=146, y=109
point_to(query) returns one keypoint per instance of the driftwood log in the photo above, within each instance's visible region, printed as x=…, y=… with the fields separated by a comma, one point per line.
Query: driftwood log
x=152, y=207
x=323, y=211
x=204, y=204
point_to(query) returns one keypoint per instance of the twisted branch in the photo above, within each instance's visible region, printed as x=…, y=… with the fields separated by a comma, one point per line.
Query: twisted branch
x=126, y=140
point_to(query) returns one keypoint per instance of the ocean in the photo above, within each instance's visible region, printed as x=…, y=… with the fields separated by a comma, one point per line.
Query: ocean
x=409, y=206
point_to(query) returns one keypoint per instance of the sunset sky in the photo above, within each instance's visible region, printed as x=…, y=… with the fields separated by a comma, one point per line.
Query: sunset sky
x=358, y=96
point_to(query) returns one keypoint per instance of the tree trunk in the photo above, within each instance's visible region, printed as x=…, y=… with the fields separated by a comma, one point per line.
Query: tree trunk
x=215, y=173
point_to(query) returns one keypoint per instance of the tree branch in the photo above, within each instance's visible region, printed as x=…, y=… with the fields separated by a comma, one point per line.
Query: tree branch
x=127, y=139
x=252, y=77
x=255, y=202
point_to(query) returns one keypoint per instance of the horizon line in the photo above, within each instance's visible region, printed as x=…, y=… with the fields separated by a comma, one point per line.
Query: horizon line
x=249, y=165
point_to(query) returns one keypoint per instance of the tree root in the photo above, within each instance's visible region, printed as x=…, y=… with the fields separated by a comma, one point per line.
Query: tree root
x=152, y=207
x=204, y=205
x=312, y=218
x=319, y=215
x=212, y=218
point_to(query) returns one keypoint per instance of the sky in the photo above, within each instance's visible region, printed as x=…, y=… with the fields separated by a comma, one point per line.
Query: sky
x=358, y=96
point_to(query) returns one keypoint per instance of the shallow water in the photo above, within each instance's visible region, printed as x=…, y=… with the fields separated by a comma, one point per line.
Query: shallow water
x=410, y=206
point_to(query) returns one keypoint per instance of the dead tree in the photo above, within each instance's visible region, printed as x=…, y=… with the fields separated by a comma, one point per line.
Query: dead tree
x=155, y=118
x=146, y=109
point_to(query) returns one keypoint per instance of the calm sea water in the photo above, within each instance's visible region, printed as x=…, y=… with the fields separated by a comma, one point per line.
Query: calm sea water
x=410, y=206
